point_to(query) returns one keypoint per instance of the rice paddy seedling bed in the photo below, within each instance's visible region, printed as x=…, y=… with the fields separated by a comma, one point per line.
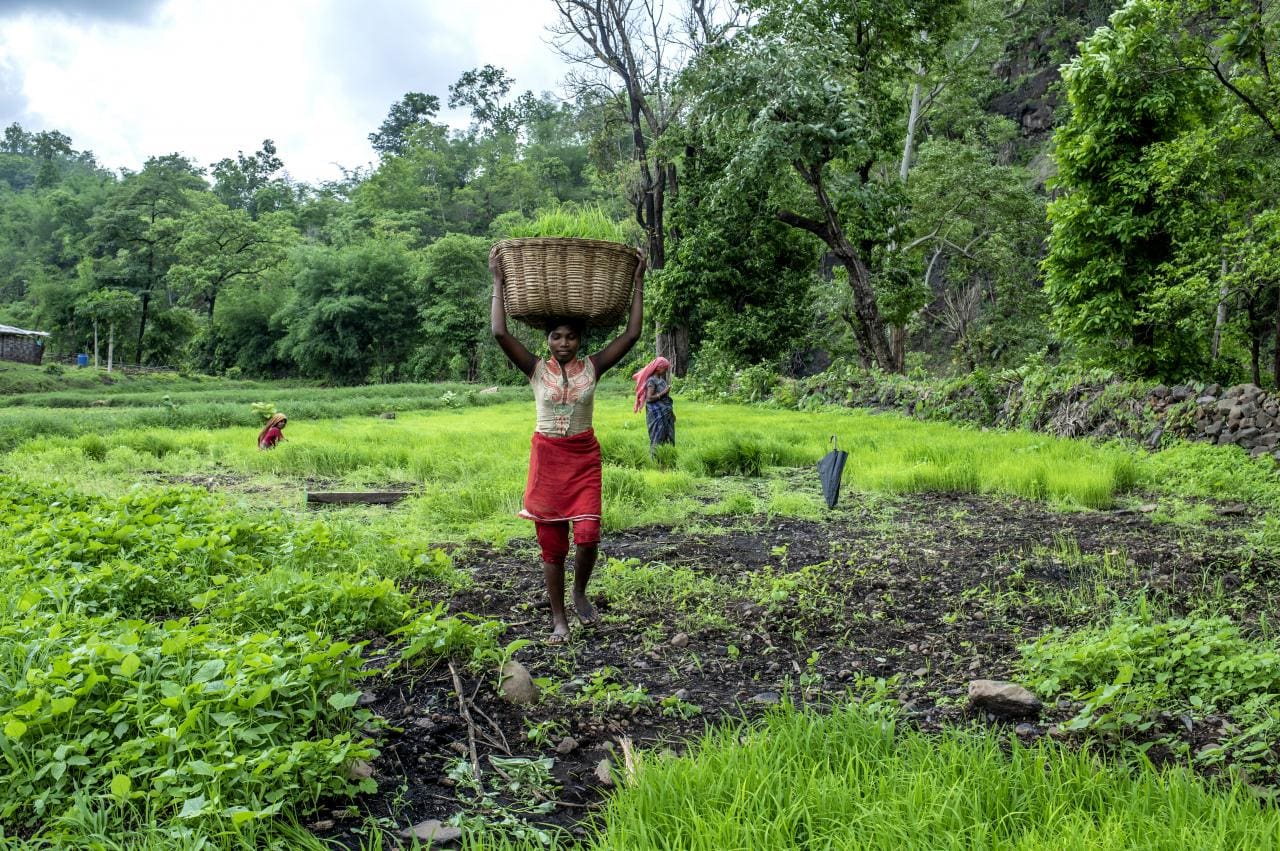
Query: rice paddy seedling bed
x=853, y=779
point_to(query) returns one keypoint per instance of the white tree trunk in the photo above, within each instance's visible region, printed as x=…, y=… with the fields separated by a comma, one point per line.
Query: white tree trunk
x=908, y=144
x=1220, y=320
x=111, y=344
x=95, y=344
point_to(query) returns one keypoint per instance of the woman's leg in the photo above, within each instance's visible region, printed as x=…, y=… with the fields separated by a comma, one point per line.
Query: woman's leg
x=554, y=576
x=553, y=538
x=586, y=539
x=652, y=419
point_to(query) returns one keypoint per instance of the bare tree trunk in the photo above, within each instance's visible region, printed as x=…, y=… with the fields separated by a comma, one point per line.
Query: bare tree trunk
x=898, y=333
x=1220, y=320
x=1255, y=343
x=111, y=343
x=898, y=347
x=95, y=344
x=869, y=330
x=637, y=45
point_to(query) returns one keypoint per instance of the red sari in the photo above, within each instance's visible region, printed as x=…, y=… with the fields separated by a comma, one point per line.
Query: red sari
x=564, y=479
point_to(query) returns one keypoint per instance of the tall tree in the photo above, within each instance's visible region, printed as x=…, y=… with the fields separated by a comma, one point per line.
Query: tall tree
x=134, y=232
x=634, y=51
x=456, y=283
x=1111, y=273
x=810, y=97
x=249, y=181
x=219, y=245
x=412, y=112
x=353, y=316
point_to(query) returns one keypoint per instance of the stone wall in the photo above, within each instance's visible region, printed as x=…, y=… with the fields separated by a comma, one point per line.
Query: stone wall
x=1244, y=415
x=21, y=348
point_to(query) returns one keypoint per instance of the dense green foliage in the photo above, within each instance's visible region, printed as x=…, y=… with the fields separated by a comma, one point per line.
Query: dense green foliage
x=173, y=665
x=1129, y=671
x=819, y=182
x=1161, y=259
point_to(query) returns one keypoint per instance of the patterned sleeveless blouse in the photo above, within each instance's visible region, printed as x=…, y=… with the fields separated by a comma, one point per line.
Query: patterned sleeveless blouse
x=564, y=398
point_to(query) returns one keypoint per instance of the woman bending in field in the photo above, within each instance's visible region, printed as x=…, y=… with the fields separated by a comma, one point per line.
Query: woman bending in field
x=564, y=464
x=273, y=432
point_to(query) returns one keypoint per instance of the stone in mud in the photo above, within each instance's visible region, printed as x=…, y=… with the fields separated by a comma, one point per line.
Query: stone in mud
x=517, y=686
x=680, y=640
x=1003, y=699
x=567, y=745
x=766, y=697
x=432, y=832
x=359, y=770
x=604, y=772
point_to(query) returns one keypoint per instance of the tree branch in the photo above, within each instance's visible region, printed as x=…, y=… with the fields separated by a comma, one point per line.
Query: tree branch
x=813, y=226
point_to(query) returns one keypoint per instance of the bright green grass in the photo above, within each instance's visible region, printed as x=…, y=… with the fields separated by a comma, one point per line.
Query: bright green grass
x=588, y=221
x=469, y=463
x=91, y=413
x=851, y=780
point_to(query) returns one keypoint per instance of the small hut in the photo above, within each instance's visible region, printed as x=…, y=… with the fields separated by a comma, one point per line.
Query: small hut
x=20, y=345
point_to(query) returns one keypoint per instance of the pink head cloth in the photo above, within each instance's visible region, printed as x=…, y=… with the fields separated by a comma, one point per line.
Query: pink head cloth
x=644, y=375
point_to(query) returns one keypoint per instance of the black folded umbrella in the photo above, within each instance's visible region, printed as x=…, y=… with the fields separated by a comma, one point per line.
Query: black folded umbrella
x=830, y=469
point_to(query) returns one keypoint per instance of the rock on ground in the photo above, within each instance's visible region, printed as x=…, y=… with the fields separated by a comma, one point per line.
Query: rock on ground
x=517, y=686
x=1003, y=699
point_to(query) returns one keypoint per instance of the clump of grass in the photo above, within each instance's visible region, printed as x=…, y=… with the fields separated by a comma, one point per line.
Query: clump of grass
x=588, y=221
x=853, y=780
x=643, y=587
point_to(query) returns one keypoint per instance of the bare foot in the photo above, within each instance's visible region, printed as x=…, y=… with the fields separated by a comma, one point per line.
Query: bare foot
x=559, y=633
x=587, y=615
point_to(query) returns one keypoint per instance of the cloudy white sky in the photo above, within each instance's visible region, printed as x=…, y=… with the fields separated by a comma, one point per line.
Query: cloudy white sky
x=129, y=79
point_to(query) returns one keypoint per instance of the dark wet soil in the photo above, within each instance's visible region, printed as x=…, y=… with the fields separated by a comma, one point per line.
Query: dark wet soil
x=926, y=591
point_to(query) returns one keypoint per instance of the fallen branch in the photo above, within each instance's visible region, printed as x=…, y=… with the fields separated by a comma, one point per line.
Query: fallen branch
x=505, y=748
x=471, y=725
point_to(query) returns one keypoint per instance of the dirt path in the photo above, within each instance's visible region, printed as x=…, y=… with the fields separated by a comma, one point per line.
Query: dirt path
x=725, y=619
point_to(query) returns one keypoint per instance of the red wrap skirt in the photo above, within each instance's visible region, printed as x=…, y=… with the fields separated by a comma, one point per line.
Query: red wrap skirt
x=564, y=478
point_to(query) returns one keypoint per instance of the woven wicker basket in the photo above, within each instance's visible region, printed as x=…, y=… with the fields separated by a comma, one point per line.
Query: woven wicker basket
x=549, y=277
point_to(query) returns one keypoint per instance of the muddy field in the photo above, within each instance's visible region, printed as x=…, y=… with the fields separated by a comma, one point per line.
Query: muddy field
x=722, y=620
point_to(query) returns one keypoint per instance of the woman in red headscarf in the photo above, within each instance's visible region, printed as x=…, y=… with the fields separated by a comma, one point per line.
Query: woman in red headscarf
x=653, y=391
x=273, y=432
x=564, y=482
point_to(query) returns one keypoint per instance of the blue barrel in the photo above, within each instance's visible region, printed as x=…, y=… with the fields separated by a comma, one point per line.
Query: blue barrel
x=82, y=359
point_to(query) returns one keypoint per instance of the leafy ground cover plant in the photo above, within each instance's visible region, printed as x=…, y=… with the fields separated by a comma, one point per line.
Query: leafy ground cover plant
x=1138, y=672
x=171, y=664
x=93, y=555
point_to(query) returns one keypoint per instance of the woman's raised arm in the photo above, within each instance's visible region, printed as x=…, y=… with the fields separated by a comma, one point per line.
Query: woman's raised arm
x=617, y=350
x=515, y=351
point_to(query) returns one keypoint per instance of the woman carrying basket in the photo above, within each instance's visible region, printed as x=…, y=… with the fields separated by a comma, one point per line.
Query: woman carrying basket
x=564, y=465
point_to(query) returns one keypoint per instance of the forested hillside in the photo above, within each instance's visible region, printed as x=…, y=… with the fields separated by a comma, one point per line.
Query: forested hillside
x=901, y=185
